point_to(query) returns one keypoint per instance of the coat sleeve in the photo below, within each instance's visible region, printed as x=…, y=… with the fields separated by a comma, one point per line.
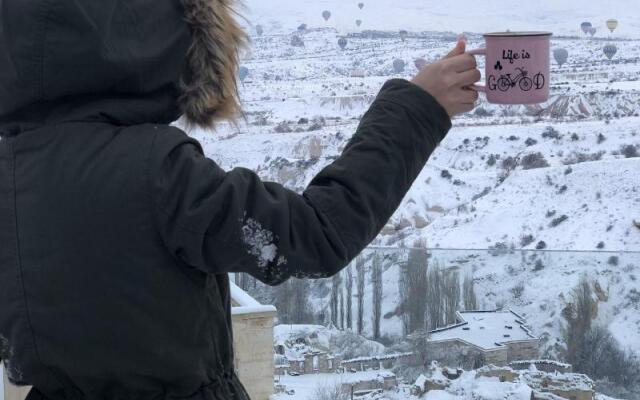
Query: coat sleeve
x=223, y=222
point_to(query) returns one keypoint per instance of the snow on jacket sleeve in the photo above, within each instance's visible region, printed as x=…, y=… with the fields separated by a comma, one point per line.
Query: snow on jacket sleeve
x=223, y=222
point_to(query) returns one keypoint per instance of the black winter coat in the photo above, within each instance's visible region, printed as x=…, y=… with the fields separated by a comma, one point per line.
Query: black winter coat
x=117, y=234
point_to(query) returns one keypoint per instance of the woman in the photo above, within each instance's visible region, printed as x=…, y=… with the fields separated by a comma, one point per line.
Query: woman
x=117, y=234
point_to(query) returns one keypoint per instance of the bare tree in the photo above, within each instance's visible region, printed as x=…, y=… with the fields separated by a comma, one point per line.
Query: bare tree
x=349, y=286
x=413, y=287
x=418, y=341
x=341, y=309
x=443, y=296
x=361, y=274
x=451, y=290
x=579, y=313
x=469, y=298
x=329, y=391
x=334, y=301
x=291, y=302
x=376, y=281
x=242, y=280
x=434, y=297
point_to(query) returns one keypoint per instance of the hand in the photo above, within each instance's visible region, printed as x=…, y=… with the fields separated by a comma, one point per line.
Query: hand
x=447, y=80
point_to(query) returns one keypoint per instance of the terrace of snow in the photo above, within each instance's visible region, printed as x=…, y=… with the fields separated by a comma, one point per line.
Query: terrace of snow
x=485, y=329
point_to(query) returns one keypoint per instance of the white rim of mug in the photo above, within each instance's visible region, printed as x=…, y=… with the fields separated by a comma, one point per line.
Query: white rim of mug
x=517, y=34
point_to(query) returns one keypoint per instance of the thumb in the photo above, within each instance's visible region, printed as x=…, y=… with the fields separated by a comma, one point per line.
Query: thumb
x=458, y=50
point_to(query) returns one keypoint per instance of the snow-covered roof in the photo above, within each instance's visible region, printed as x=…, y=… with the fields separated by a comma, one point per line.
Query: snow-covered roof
x=485, y=329
x=243, y=303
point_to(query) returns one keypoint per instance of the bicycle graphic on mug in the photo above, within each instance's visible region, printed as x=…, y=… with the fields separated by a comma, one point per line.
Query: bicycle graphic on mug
x=505, y=82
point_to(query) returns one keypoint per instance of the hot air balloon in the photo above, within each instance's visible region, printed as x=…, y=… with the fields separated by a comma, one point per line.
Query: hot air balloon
x=592, y=30
x=420, y=63
x=358, y=22
x=302, y=28
x=296, y=41
x=585, y=27
x=403, y=34
x=561, y=56
x=342, y=42
x=259, y=30
x=361, y=5
x=398, y=65
x=326, y=15
x=612, y=24
x=610, y=50
x=243, y=73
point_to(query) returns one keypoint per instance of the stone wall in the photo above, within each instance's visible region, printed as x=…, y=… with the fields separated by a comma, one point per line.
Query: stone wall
x=458, y=350
x=523, y=350
x=575, y=394
x=253, y=344
x=543, y=365
x=455, y=350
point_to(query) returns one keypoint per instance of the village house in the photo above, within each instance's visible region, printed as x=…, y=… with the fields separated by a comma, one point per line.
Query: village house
x=306, y=349
x=253, y=341
x=483, y=337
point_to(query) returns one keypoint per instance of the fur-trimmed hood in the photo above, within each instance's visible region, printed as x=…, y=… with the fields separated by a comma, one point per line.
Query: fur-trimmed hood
x=125, y=62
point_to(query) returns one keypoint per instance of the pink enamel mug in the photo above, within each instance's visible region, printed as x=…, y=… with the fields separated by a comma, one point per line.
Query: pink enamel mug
x=517, y=67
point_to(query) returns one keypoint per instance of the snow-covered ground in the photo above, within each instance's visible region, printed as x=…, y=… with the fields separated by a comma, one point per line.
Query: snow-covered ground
x=469, y=386
x=302, y=105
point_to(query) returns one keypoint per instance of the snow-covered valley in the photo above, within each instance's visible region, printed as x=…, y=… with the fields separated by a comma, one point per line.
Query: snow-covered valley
x=526, y=200
x=523, y=200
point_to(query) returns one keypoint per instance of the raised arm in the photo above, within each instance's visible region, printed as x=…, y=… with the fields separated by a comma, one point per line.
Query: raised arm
x=224, y=222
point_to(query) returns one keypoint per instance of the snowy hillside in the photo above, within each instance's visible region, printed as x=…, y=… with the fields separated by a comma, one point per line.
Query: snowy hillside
x=303, y=103
x=548, y=179
x=453, y=16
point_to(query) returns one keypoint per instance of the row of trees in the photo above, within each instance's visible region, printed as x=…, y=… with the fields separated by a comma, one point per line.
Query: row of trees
x=429, y=294
x=342, y=313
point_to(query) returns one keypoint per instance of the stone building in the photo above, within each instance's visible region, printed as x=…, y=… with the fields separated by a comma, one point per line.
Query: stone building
x=483, y=337
x=253, y=340
x=384, y=380
x=568, y=386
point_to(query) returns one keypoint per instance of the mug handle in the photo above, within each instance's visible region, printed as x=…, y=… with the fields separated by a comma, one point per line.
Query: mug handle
x=478, y=52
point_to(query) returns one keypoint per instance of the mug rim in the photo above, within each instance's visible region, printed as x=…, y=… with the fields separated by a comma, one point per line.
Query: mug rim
x=517, y=34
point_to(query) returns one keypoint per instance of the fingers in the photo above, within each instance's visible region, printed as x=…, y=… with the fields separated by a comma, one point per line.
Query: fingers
x=464, y=100
x=458, y=50
x=469, y=96
x=467, y=107
x=468, y=77
x=462, y=62
x=465, y=96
